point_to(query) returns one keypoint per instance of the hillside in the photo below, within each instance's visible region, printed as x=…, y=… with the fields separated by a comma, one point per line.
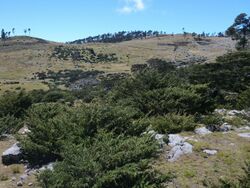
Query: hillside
x=21, y=57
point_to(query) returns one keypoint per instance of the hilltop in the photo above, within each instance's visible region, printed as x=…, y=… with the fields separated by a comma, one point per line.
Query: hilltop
x=21, y=57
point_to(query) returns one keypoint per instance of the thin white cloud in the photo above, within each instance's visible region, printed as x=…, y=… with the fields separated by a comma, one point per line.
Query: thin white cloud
x=132, y=6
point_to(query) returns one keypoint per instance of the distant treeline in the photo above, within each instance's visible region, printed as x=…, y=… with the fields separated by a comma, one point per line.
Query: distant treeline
x=130, y=35
x=119, y=36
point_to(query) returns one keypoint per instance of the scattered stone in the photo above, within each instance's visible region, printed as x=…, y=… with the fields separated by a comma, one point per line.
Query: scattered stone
x=221, y=111
x=232, y=113
x=235, y=112
x=210, y=152
x=177, y=151
x=12, y=155
x=30, y=184
x=225, y=127
x=246, y=128
x=175, y=139
x=202, y=131
x=244, y=135
x=13, y=179
x=19, y=183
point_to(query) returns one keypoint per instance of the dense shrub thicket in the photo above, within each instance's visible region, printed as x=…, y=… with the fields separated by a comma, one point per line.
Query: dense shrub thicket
x=105, y=161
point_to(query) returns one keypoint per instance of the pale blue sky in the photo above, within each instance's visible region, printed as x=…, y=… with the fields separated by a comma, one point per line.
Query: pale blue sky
x=67, y=20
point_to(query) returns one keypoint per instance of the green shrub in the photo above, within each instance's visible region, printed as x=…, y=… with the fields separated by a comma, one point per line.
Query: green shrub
x=230, y=73
x=173, y=123
x=48, y=130
x=244, y=100
x=58, y=95
x=52, y=125
x=105, y=161
x=14, y=104
x=10, y=124
x=212, y=119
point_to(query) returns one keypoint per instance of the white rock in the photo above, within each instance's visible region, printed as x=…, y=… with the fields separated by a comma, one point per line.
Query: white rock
x=210, y=152
x=225, y=127
x=177, y=151
x=13, y=179
x=30, y=184
x=13, y=150
x=244, y=135
x=12, y=155
x=202, y=131
x=175, y=139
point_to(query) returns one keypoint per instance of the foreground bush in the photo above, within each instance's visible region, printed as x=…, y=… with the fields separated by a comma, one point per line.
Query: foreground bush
x=10, y=124
x=105, y=161
x=173, y=123
x=244, y=100
x=53, y=125
x=14, y=104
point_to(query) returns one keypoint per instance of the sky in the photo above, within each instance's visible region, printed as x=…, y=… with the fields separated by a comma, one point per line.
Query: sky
x=68, y=20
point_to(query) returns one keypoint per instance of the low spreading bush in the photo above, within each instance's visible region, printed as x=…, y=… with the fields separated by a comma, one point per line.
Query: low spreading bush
x=52, y=125
x=14, y=104
x=244, y=100
x=106, y=161
x=173, y=123
x=10, y=124
x=212, y=119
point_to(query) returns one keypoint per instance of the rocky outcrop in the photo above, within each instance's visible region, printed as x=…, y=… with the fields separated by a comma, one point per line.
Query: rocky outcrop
x=179, y=147
x=202, y=131
x=13, y=155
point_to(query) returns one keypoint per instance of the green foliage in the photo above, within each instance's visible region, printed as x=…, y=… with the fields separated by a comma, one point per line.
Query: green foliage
x=14, y=104
x=52, y=125
x=244, y=100
x=230, y=73
x=212, y=119
x=10, y=124
x=105, y=161
x=57, y=95
x=173, y=123
x=48, y=131
x=153, y=93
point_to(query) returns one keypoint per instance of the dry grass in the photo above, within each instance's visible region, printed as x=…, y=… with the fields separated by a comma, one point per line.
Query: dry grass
x=20, y=57
x=198, y=168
